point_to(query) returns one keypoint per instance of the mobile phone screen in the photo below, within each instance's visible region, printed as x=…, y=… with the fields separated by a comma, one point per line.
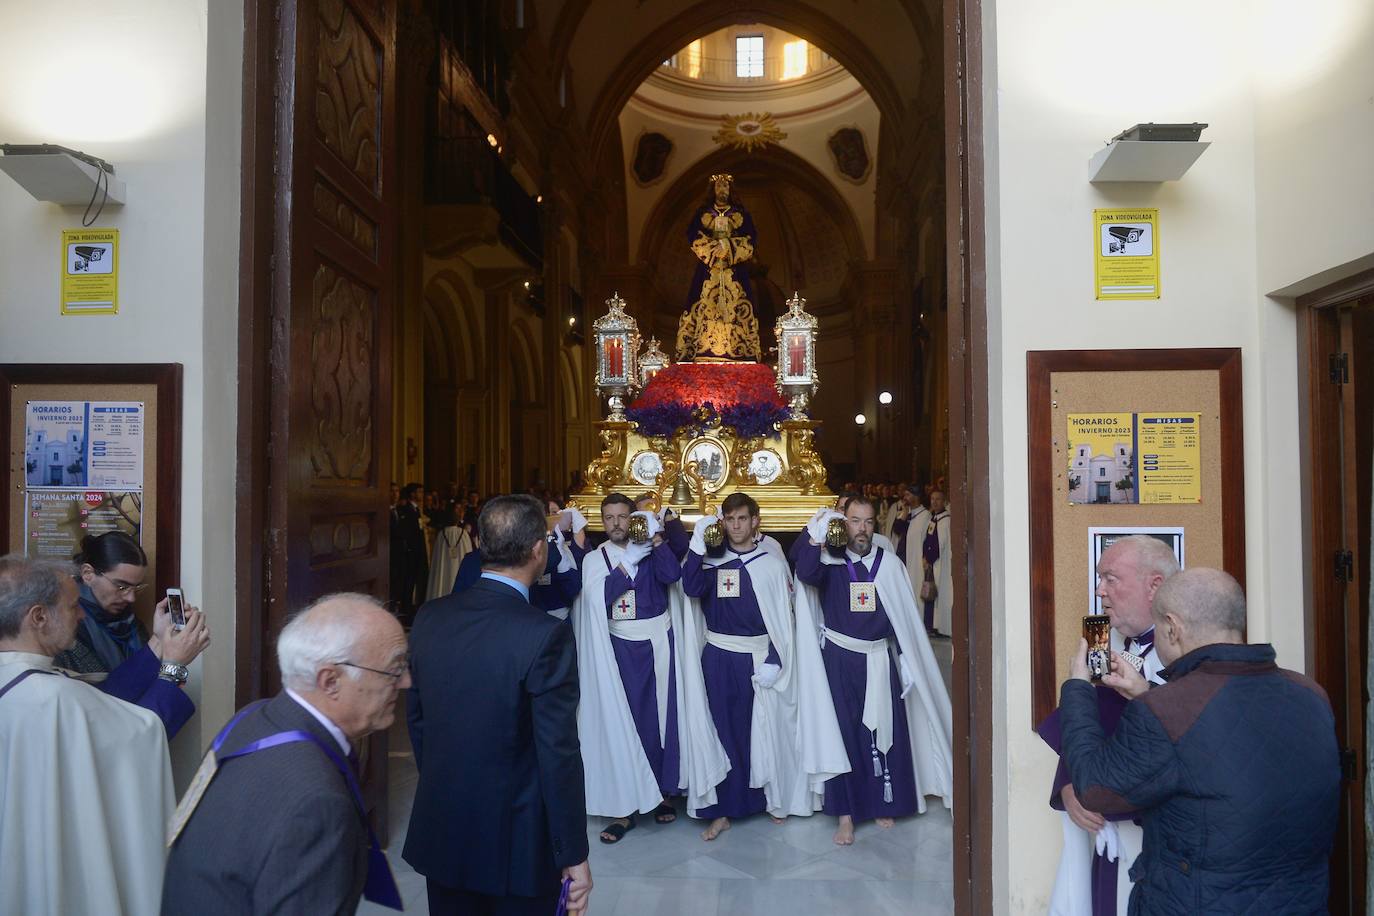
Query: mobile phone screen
x=177, y=609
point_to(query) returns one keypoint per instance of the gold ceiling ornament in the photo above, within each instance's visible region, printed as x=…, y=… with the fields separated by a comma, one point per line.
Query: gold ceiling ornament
x=748, y=131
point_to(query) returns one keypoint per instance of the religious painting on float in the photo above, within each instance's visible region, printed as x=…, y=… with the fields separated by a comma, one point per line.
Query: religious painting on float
x=720, y=323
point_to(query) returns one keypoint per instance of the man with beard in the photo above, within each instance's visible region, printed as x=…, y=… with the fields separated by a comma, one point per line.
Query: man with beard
x=746, y=663
x=631, y=718
x=874, y=756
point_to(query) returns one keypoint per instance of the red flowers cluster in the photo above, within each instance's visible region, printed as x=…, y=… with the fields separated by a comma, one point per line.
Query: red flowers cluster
x=722, y=384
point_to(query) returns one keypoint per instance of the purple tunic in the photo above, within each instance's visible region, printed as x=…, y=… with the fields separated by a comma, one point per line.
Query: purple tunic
x=930, y=552
x=859, y=793
x=728, y=676
x=636, y=662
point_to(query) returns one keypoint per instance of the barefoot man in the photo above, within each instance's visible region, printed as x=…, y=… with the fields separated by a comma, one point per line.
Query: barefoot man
x=891, y=710
x=745, y=597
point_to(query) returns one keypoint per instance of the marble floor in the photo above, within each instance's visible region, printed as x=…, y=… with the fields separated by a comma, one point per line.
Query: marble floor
x=757, y=867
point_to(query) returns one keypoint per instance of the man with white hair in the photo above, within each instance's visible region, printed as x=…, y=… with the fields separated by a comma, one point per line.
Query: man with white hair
x=1099, y=851
x=85, y=781
x=274, y=820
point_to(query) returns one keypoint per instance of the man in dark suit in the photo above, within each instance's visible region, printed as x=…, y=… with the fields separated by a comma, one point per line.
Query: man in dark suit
x=280, y=829
x=499, y=815
x=409, y=556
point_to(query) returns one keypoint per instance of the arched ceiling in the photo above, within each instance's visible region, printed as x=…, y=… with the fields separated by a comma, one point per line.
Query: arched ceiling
x=607, y=48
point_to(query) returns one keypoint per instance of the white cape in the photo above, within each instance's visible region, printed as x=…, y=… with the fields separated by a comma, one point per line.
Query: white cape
x=450, y=546
x=85, y=797
x=928, y=712
x=619, y=780
x=944, y=579
x=774, y=758
x=915, y=538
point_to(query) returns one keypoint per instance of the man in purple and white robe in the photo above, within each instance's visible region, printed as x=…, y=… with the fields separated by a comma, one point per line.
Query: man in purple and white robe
x=744, y=596
x=878, y=739
x=1099, y=850
x=635, y=719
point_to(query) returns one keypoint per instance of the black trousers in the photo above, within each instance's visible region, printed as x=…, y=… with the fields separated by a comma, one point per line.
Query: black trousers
x=449, y=901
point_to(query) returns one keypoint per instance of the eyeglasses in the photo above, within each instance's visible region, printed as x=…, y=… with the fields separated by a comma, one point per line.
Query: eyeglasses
x=123, y=588
x=394, y=675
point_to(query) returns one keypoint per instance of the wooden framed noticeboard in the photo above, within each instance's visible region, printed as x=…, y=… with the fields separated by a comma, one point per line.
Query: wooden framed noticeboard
x=1163, y=452
x=91, y=448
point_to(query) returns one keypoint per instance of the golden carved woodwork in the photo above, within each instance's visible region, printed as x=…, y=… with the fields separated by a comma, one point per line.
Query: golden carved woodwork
x=807, y=468
x=348, y=92
x=609, y=468
x=341, y=383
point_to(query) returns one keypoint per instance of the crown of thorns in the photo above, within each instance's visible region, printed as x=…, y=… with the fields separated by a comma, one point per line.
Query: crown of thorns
x=722, y=176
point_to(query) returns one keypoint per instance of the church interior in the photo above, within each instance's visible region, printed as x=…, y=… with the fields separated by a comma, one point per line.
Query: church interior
x=370, y=243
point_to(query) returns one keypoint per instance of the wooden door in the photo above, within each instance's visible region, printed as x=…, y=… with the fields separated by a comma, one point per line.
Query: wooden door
x=1341, y=386
x=319, y=283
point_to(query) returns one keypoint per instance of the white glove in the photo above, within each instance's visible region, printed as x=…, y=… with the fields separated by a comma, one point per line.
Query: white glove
x=634, y=555
x=767, y=675
x=908, y=676
x=655, y=526
x=816, y=527
x=1107, y=841
x=578, y=520
x=697, y=544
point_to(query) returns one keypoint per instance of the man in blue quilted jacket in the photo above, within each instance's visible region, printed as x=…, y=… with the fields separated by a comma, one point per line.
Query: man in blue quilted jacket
x=1232, y=764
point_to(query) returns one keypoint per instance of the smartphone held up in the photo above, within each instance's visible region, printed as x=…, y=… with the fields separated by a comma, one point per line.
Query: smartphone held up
x=176, y=606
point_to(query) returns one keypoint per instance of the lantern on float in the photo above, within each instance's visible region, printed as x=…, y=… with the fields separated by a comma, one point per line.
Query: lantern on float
x=617, y=348
x=796, y=333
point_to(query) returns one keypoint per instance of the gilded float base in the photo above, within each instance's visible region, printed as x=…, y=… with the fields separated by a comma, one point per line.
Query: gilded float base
x=784, y=475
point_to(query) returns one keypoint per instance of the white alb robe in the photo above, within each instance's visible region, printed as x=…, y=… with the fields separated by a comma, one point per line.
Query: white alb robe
x=944, y=576
x=619, y=779
x=1073, y=882
x=85, y=797
x=450, y=546
x=928, y=711
x=774, y=761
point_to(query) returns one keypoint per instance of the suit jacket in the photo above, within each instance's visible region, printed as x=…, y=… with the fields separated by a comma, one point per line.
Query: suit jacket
x=500, y=807
x=276, y=832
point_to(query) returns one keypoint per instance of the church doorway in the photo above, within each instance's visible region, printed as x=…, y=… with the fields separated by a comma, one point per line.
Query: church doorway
x=426, y=244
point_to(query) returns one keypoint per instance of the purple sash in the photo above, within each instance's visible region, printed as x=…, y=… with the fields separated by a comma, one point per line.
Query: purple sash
x=380, y=887
x=22, y=675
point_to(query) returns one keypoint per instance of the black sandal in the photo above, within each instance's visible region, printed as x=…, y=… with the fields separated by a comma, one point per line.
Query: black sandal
x=617, y=831
x=665, y=814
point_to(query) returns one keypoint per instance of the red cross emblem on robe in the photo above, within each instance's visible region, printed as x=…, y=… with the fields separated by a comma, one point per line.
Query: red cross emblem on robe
x=863, y=597
x=727, y=583
x=623, y=608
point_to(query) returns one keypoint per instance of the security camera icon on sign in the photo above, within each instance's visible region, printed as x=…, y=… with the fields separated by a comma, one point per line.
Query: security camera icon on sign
x=1120, y=238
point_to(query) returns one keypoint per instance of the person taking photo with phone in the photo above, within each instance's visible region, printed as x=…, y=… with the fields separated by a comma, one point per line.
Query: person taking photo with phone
x=113, y=651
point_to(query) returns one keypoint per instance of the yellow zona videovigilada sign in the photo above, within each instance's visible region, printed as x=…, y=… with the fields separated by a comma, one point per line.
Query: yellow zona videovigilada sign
x=90, y=271
x=1126, y=253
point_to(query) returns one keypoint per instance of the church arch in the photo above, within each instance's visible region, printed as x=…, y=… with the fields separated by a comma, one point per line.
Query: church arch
x=459, y=318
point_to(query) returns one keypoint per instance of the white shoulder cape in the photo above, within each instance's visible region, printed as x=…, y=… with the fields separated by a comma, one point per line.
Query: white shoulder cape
x=450, y=546
x=619, y=780
x=944, y=580
x=775, y=763
x=928, y=712
x=85, y=797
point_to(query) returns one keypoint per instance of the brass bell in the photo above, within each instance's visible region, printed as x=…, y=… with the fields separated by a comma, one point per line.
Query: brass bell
x=682, y=494
x=836, y=536
x=639, y=529
x=714, y=535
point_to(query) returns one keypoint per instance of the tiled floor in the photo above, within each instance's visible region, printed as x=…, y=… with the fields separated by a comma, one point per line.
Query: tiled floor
x=757, y=867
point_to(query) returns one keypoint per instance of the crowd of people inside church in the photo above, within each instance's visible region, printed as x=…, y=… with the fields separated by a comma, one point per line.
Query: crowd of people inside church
x=648, y=670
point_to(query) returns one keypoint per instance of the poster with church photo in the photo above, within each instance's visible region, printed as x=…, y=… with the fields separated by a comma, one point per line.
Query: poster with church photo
x=84, y=444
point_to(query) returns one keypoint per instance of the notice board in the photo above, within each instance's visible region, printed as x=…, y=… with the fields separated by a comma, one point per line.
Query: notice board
x=1075, y=487
x=92, y=448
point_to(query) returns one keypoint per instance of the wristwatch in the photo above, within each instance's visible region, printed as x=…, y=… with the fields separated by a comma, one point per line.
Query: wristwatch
x=171, y=671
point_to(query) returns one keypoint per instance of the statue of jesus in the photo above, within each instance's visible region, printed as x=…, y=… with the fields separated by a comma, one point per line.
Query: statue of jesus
x=719, y=325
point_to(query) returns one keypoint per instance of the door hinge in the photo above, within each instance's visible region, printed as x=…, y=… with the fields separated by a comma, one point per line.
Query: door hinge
x=1345, y=566
x=1348, y=764
x=1339, y=368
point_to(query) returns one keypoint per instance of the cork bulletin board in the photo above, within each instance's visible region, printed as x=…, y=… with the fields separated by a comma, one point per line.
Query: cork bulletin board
x=46, y=518
x=1205, y=382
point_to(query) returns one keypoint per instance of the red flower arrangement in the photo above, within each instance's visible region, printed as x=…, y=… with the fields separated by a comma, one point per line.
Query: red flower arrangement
x=694, y=395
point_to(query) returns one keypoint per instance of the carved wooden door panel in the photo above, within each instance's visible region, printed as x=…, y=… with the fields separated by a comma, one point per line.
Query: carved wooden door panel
x=332, y=299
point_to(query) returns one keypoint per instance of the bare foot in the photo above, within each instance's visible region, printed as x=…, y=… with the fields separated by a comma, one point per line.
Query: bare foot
x=778, y=820
x=884, y=822
x=844, y=834
x=718, y=826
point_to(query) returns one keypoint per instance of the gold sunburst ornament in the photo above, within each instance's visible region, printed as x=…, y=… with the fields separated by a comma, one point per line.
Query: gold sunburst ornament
x=748, y=131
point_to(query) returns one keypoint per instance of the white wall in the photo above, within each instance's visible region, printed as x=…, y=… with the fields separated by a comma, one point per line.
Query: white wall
x=1264, y=207
x=127, y=82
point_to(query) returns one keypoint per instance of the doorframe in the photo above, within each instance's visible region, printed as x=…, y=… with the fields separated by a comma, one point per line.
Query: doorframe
x=1328, y=642
x=970, y=480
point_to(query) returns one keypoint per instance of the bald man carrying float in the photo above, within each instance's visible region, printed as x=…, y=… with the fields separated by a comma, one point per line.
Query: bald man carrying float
x=1232, y=764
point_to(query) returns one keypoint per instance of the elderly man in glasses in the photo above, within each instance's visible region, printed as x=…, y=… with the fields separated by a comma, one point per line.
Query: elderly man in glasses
x=274, y=821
